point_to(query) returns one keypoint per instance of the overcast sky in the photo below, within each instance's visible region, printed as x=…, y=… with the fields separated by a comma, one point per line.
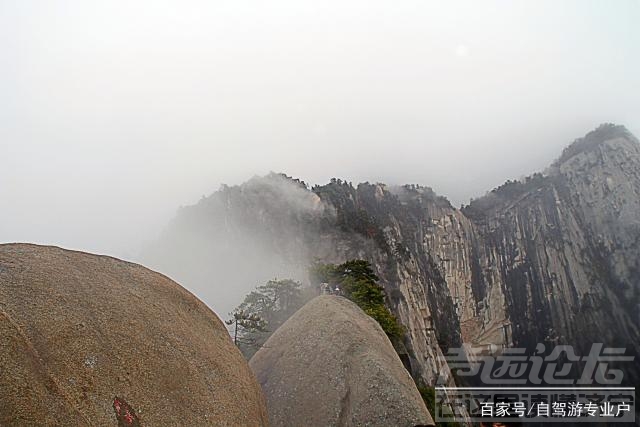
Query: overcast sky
x=114, y=113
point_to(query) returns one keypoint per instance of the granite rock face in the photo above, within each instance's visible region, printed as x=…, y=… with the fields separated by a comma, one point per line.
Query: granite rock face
x=556, y=259
x=330, y=364
x=92, y=340
x=552, y=259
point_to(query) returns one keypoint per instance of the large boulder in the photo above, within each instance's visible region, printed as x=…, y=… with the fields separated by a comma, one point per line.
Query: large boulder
x=332, y=365
x=92, y=340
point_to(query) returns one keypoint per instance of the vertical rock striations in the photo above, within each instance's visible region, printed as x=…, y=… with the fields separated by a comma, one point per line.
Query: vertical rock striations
x=553, y=258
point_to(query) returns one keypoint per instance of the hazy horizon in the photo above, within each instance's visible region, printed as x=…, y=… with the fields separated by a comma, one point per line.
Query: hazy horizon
x=113, y=115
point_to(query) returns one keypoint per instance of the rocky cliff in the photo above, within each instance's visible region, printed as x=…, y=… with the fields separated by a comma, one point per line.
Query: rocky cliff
x=555, y=259
x=550, y=259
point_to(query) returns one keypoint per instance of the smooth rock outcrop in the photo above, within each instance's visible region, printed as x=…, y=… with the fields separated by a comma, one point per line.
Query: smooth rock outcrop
x=332, y=365
x=92, y=340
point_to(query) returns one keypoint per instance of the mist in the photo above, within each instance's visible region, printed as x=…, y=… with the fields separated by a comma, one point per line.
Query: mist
x=114, y=114
x=227, y=244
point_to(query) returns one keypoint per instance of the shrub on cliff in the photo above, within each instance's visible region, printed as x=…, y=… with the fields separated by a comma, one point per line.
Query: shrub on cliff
x=359, y=283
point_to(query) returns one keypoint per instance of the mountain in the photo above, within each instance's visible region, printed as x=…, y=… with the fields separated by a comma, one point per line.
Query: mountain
x=551, y=259
x=331, y=364
x=92, y=340
x=560, y=251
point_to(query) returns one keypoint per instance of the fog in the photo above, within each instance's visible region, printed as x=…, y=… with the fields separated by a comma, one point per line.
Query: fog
x=113, y=114
x=240, y=237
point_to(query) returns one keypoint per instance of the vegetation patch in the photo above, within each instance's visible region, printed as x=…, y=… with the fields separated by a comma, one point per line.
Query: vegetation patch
x=357, y=282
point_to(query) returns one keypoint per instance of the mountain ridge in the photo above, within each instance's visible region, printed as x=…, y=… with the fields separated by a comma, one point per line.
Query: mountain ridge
x=530, y=262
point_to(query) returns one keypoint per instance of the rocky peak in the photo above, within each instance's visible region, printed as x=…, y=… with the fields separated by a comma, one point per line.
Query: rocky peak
x=606, y=137
x=332, y=364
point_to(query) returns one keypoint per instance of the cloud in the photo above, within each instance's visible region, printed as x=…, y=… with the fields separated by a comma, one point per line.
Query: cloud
x=113, y=117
